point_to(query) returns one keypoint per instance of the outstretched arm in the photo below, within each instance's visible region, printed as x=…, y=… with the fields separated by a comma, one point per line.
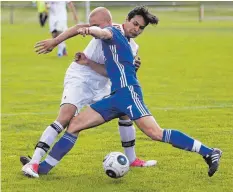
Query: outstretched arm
x=48, y=45
x=80, y=58
x=98, y=68
x=96, y=32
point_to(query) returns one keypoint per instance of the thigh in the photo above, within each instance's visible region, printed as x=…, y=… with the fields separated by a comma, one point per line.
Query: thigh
x=84, y=120
x=131, y=103
x=106, y=108
x=76, y=92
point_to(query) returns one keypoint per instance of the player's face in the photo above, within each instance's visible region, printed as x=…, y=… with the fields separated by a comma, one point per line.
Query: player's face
x=134, y=27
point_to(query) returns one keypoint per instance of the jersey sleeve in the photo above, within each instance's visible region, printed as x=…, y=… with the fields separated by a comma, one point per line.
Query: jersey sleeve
x=113, y=34
x=90, y=49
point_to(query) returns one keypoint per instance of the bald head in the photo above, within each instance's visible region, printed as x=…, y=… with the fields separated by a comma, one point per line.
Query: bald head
x=100, y=17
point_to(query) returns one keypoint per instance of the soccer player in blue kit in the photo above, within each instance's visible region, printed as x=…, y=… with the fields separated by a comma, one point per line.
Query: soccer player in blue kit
x=126, y=99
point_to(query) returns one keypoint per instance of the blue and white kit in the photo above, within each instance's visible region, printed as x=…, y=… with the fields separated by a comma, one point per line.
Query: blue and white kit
x=126, y=97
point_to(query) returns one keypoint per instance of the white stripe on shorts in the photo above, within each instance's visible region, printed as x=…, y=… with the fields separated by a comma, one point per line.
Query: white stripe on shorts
x=137, y=102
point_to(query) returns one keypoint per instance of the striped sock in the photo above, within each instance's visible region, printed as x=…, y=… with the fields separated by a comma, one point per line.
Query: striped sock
x=183, y=141
x=46, y=140
x=59, y=150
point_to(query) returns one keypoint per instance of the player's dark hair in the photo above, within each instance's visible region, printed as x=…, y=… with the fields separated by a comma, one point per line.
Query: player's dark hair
x=143, y=11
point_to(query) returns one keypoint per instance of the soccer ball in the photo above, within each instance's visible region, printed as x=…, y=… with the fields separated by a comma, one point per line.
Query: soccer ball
x=116, y=164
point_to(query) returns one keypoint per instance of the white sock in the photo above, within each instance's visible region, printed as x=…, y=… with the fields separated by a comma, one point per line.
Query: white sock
x=61, y=47
x=48, y=137
x=127, y=133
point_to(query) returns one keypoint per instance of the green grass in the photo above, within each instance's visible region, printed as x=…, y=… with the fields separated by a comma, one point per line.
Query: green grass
x=187, y=78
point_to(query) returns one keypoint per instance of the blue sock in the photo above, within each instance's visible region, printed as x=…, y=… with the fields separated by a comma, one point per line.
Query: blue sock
x=59, y=150
x=44, y=168
x=182, y=141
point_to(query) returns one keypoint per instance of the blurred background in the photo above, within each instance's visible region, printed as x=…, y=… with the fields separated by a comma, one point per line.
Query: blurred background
x=171, y=10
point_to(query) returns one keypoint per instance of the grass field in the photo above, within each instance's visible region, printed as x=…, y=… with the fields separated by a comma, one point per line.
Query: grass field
x=187, y=80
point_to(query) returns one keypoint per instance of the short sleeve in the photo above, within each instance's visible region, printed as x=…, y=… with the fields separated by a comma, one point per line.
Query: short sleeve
x=113, y=34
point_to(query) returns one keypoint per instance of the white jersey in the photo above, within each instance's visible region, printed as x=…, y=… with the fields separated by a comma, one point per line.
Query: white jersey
x=57, y=10
x=94, y=52
x=82, y=85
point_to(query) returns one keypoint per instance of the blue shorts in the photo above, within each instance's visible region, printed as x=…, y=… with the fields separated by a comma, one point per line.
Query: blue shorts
x=126, y=101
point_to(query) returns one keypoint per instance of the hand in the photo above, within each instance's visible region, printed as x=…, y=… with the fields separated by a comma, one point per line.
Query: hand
x=137, y=63
x=84, y=31
x=81, y=58
x=45, y=46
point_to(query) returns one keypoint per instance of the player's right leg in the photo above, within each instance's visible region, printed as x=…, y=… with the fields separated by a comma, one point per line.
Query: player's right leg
x=66, y=113
x=68, y=140
x=128, y=138
x=75, y=95
x=99, y=112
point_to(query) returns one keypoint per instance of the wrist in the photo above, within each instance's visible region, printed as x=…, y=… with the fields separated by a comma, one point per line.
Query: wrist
x=88, y=63
x=56, y=41
x=93, y=29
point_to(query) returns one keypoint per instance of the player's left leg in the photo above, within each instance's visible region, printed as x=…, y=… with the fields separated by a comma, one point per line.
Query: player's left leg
x=128, y=136
x=180, y=140
x=135, y=108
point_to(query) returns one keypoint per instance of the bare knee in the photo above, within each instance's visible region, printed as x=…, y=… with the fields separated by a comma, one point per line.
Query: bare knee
x=88, y=118
x=66, y=113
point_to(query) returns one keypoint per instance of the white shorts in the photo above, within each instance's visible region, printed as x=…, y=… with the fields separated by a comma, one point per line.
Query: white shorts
x=84, y=90
x=58, y=25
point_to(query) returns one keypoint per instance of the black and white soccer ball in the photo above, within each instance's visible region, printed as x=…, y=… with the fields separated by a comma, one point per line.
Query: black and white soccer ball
x=116, y=164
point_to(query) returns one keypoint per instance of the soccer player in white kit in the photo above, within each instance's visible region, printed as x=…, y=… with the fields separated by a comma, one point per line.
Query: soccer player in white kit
x=58, y=21
x=83, y=86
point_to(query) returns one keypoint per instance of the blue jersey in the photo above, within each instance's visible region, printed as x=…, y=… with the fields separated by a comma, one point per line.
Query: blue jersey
x=119, y=60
